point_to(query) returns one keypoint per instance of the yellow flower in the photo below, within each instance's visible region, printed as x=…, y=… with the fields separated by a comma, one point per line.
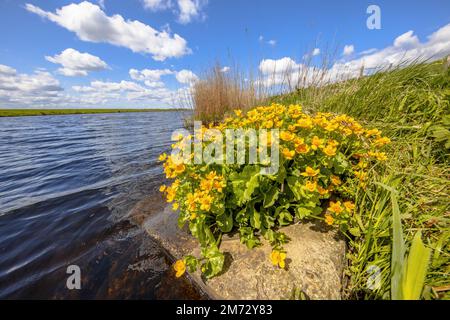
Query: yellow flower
x=170, y=194
x=288, y=154
x=162, y=188
x=162, y=157
x=349, y=206
x=335, y=207
x=268, y=124
x=175, y=206
x=205, y=203
x=379, y=142
x=316, y=142
x=310, y=172
x=373, y=132
x=305, y=123
x=322, y=191
x=300, y=146
x=286, y=136
x=193, y=216
x=311, y=186
x=329, y=150
x=218, y=185
x=179, y=267
x=277, y=257
x=335, y=180
x=206, y=185
x=380, y=156
x=238, y=112
x=329, y=219
x=211, y=175
x=331, y=126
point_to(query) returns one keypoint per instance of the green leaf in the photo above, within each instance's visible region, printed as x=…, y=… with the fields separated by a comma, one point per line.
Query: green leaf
x=415, y=269
x=225, y=222
x=191, y=263
x=355, y=231
x=270, y=197
x=398, y=251
x=285, y=218
x=302, y=212
x=214, y=261
x=248, y=237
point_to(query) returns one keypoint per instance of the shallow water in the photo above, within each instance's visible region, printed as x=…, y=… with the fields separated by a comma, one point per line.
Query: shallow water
x=66, y=186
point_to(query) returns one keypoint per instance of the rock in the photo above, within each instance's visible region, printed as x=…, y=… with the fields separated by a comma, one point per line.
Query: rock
x=314, y=264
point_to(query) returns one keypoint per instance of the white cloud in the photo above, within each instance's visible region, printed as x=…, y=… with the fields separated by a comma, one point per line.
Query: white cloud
x=270, y=66
x=406, y=48
x=75, y=63
x=156, y=5
x=186, y=76
x=407, y=40
x=271, y=42
x=148, y=74
x=368, y=51
x=189, y=9
x=6, y=70
x=19, y=89
x=315, y=52
x=225, y=69
x=348, y=50
x=91, y=24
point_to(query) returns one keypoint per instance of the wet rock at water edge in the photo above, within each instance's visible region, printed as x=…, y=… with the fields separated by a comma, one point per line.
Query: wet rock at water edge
x=314, y=264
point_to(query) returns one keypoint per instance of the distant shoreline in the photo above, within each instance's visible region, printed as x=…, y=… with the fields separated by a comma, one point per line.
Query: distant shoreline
x=56, y=112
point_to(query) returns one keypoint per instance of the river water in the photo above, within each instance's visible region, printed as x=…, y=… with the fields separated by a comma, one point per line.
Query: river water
x=67, y=184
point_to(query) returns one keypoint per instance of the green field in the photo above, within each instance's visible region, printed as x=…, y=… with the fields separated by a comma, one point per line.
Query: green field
x=55, y=112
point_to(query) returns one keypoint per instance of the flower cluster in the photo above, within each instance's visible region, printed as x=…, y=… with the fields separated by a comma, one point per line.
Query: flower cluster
x=323, y=158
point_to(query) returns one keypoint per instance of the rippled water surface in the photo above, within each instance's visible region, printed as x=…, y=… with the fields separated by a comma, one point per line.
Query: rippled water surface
x=67, y=184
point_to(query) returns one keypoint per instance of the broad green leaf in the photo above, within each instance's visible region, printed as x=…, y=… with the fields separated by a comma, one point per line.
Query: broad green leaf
x=270, y=197
x=398, y=251
x=225, y=221
x=214, y=262
x=415, y=269
x=302, y=212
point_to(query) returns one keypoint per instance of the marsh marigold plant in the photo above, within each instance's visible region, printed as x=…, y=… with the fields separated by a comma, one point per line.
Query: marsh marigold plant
x=324, y=157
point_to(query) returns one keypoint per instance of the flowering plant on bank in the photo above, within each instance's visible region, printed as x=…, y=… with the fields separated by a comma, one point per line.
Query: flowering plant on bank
x=321, y=158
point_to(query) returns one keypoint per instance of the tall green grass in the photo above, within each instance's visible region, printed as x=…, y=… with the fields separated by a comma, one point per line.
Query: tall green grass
x=410, y=104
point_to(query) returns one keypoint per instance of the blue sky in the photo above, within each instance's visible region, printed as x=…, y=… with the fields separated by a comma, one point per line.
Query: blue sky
x=92, y=54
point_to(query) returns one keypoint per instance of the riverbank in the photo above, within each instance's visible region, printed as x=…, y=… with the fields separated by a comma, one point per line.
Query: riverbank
x=56, y=112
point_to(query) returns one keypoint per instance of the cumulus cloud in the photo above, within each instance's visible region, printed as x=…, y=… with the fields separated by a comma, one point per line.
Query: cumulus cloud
x=348, y=50
x=225, y=69
x=406, y=48
x=187, y=10
x=315, y=52
x=90, y=23
x=75, y=63
x=156, y=5
x=24, y=89
x=186, y=76
x=149, y=74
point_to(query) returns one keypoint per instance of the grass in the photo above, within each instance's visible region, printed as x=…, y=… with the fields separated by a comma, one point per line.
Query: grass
x=411, y=105
x=407, y=104
x=54, y=112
